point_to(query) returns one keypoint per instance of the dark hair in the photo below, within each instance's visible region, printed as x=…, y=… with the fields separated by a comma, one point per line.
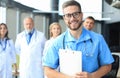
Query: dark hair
x=90, y=17
x=71, y=3
x=6, y=35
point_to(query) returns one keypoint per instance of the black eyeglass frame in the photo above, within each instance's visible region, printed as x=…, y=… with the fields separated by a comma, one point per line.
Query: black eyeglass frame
x=75, y=15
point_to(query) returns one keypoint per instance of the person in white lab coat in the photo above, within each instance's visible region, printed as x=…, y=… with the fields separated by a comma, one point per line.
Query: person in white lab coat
x=30, y=50
x=7, y=53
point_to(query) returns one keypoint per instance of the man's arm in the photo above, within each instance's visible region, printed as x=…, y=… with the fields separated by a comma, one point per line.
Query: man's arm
x=103, y=70
x=51, y=73
x=97, y=74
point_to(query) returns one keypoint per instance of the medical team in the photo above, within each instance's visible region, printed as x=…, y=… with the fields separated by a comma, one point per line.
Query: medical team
x=29, y=45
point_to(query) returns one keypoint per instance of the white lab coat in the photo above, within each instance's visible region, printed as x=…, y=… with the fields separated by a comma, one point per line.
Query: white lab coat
x=48, y=43
x=30, y=55
x=7, y=58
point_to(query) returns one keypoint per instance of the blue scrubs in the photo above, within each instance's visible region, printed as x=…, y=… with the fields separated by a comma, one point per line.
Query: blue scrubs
x=95, y=51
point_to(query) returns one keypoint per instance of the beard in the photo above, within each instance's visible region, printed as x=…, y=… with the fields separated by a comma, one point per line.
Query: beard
x=29, y=30
x=76, y=28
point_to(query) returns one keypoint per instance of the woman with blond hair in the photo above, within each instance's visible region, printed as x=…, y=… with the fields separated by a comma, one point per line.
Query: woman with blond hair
x=54, y=31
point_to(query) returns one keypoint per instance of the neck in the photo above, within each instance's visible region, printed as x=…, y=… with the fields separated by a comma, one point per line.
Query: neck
x=54, y=36
x=2, y=37
x=76, y=33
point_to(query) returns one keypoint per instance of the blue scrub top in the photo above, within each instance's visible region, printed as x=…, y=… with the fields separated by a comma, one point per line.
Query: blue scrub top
x=95, y=51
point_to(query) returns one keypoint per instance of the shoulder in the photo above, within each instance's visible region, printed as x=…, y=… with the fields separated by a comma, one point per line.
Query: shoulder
x=60, y=37
x=92, y=35
x=40, y=33
x=47, y=42
x=58, y=41
x=21, y=34
x=10, y=41
x=50, y=40
x=96, y=36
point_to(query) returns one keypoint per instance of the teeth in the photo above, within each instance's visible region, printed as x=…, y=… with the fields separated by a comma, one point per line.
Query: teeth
x=74, y=22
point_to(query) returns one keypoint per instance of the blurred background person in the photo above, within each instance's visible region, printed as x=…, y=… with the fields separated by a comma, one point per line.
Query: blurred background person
x=54, y=31
x=29, y=45
x=7, y=53
x=89, y=23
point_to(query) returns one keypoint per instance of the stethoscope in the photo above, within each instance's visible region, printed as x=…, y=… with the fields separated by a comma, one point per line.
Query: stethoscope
x=90, y=54
x=4, y=46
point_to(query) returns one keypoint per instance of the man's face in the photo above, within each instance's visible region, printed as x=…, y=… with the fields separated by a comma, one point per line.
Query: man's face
x=28, y=24
x=72, y=17
x=88, y=24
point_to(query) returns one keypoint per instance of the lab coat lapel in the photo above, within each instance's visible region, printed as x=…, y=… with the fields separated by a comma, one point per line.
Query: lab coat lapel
x=24, y=40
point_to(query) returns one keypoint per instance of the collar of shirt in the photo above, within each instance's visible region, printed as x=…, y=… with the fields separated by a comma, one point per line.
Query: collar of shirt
x=3, y=40
x=84, y=36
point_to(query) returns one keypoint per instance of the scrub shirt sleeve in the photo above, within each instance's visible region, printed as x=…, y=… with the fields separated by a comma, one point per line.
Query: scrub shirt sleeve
x=105, y=56
x=51, y=57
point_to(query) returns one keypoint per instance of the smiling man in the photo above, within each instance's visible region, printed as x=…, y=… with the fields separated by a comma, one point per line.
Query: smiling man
x=89, y=23
x=96, y=56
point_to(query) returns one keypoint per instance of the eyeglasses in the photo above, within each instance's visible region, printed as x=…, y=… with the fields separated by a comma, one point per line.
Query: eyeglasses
x=75, y=15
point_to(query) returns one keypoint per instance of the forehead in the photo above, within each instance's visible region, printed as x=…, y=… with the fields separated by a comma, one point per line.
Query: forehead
x=28, y=20
x=89, y=19
x=3, y=26
x=71, y=9
x=55, y=26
